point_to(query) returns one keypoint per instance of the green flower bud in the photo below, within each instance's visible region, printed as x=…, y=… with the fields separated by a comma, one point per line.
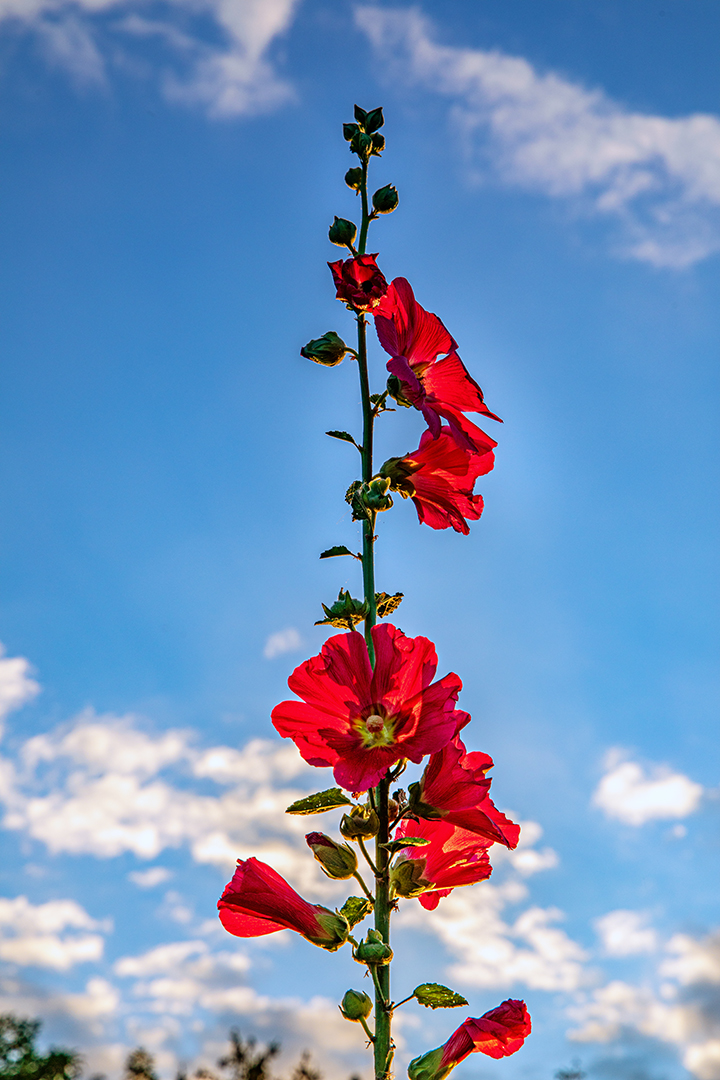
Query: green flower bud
x=354, y=178
x=337, y=860
x=385, y=199
x=406, y=878
x=361, y=117
x=342, y=232
x=429, y=1066
x=345, y=613
x=362, y=144
x=373, y=950
x=374, y=120
x=350, y=131
x=327, y=350
x=361, y=823
x=356, y=1005
x=377, y=144
x=375, y=495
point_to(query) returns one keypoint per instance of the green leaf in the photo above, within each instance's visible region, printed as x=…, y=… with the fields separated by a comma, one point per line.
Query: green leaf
x=436, y=996
x=355, y=909
x=321, y=801
x=386, y=604
x=344, y=435
x=339, y=549
x=407, y=841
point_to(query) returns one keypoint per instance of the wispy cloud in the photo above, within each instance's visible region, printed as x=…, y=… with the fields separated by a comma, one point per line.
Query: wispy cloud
x=46, y=935
x=657, y=178
x=635, y=795
x=16, y=685
x=283, y=641
x=625, y=933
x=214, y=54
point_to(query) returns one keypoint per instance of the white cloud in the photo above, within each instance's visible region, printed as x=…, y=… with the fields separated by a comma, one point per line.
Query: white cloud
x=682, y=1012
x=282, y=641
x=491, y=950
x=16, y=685
x=625, y=933
x=631, y=795
x=657, y=178
x=149, y=879
x=37, y=934
x=228, y=71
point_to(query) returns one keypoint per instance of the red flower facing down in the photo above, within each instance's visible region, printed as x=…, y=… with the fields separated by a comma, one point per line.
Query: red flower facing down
x=498, y=1033
x=360, y=721
x=415, y=338
x=452, y=857
x=439, y=477
x=454, y=787
x=358, y=281
x=258, y=901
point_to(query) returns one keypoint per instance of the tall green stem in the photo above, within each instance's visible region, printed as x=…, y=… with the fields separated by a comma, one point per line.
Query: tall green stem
x=383, y=1015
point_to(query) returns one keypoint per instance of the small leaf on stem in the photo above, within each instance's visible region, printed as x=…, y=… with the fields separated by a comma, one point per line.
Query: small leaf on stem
x=355, y=909
x=339, y=549
x=340, y=435
x=332, y=799
x=436, y=996
x=386, y=604
x=407, y=841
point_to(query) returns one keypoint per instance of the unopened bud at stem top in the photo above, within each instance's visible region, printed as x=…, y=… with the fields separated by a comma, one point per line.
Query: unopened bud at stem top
x=337, y=860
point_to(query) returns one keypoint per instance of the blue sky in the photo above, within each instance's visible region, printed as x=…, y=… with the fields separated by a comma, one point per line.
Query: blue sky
x=168, y=174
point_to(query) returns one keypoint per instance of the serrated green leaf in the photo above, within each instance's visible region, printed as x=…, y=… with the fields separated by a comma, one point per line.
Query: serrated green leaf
x=436, y=996
x=355, y=909
x=332, y=799
x=407, y=841
x=386, y=604
x=343, y=435
x=331, y=553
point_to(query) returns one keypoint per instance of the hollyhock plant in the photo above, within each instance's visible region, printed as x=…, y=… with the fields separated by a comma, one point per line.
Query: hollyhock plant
x=497, y=1033
x=358, y=281
x=450, y=857
x=258, y=901
x=415, y=338
x=369, y=705
x=439, y=478
x=454, y=787
x=362, y=721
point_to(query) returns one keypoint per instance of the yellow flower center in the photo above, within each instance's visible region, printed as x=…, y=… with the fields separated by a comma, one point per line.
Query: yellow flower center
x=376, y=729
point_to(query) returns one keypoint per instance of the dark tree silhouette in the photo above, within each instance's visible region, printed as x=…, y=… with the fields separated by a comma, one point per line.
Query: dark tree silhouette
x=140, y=1065
x=20, y=1060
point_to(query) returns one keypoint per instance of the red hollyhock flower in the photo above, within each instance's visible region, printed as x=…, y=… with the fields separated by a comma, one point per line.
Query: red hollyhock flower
x=360, y=721
x=258, y=901
x=454, y=787
x=358, y=281
x=439, y=477
x=498, y=1033
x=415, y=338
x=452, y=857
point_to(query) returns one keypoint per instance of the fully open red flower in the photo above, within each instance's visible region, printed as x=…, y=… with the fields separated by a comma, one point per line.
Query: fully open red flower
x=362, y=721
x=454, y=787
x=358, y=281
x=439, y=477
x=258, y=901
x=498, y=1033
x=415, y=338
x=452, y=857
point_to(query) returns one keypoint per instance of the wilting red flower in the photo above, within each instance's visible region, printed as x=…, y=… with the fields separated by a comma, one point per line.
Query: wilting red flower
x=358, y=281
x=452, y=857
x=454, y=787
x=439, y=477
x=498, y=1033
x=360, y=721
x=258, y=901
x=415, y=338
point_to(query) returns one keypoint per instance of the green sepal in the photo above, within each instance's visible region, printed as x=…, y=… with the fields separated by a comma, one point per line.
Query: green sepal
x=374, y=120
x=339, y=549
x=377, y=143
x=350, y=131
x=354, y=178
x=436, y=996
x=345, y=613
x=332, y=799
x=386, y=604
x=355, y=909
x=344, y=436
x=407, y=841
